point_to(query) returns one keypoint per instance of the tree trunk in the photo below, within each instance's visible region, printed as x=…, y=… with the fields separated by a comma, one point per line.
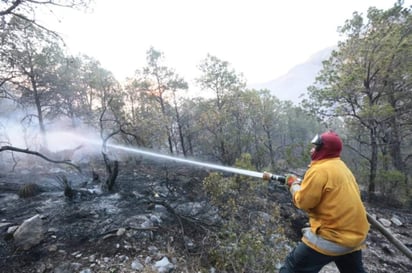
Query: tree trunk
x=39, y=110
x=373, y=162
x=270, y=148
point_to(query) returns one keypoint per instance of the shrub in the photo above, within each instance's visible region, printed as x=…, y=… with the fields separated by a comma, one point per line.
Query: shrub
x=251, y=240
x=29, y=190
x=393, y=187
x=66, y=186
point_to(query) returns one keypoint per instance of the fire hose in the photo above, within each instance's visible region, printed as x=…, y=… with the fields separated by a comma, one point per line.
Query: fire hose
x=375, y=223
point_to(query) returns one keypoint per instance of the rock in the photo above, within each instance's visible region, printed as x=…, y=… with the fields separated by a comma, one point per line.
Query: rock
x=29, y=233
x=41, y=268
x=189, y=243
x=147, y=224
x=121, y=231
x=92, y=258
x=67, y=268
x=155, y=220
x=395, y=220
x=148, y=260
x=52, y=230
x=153, y=249
x=12, y=229
x=52, y=248
x=385, y=222
x=2, y=225
x=164, y=265
x=136, y=265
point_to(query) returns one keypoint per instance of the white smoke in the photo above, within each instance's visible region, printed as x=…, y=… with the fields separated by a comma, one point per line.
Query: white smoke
x=63, y=141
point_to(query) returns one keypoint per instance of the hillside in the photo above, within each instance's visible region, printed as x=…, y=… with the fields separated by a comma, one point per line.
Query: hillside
x=293, y=85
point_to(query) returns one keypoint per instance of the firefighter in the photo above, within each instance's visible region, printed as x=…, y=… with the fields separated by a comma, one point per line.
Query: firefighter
x=338, y=221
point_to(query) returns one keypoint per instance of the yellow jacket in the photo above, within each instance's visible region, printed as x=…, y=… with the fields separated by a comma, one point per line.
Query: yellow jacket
x=331, y=197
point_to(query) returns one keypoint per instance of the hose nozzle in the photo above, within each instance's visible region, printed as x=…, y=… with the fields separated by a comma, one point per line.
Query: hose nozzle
x=269, y=176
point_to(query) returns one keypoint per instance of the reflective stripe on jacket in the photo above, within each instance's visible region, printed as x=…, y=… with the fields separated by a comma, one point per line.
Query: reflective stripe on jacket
x=324, y=246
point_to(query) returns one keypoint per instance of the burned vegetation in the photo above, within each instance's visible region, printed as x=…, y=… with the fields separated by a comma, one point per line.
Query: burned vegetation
x=159, y=216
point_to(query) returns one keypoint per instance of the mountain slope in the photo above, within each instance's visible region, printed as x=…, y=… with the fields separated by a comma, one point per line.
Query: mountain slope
x=293, y=85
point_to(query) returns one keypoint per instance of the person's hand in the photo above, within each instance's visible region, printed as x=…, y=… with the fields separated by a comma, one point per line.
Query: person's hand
x=291, y=179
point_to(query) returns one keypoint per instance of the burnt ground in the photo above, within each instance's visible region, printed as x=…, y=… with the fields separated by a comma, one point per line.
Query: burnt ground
x=148, y=216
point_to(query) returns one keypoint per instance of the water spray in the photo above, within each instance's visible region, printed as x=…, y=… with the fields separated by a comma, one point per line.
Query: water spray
x=188, y=161
x=172, y=158
x=265, y=175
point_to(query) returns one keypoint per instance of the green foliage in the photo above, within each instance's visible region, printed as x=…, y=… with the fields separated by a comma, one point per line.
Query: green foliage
x=251, y=239
x=297, y=155
x=224, y=118
x=247, y=251
x=393, y=187
x=362, y=90
x=154, y=103
x=244, y=162
x=364, y=83
x=222, y=193
x=218, y=77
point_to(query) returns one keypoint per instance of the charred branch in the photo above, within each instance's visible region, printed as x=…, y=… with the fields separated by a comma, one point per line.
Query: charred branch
x=112, y=167
x=27, y=151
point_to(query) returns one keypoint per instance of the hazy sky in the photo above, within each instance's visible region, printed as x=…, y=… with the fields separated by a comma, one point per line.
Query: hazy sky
x=262, y=39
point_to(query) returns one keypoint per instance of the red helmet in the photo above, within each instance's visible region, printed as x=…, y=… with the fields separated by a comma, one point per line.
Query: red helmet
x=328, y=145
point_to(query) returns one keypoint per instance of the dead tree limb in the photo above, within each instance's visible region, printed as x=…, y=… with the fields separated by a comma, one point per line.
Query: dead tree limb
x=27, y=151
x=112, y=167
x=404, y=249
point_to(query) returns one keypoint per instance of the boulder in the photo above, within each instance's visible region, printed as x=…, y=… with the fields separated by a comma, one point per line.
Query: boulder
x=29, y=233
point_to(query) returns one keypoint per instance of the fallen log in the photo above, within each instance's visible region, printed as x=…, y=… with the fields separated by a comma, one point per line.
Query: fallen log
x=404, y=249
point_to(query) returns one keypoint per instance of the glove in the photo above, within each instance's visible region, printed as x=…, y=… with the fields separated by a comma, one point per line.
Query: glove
x=291, y=179
x=293, y=182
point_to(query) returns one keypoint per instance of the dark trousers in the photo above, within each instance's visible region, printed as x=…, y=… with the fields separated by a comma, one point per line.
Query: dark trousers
x=303, y=259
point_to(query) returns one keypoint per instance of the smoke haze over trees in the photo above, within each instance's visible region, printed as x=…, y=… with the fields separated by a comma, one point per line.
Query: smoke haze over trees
x=363, y=92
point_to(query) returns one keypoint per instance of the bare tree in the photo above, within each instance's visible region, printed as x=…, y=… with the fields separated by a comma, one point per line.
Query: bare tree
x=112, y=166
x=26, y=9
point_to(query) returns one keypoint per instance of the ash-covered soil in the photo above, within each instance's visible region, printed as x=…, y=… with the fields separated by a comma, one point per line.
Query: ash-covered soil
x=157, y=219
